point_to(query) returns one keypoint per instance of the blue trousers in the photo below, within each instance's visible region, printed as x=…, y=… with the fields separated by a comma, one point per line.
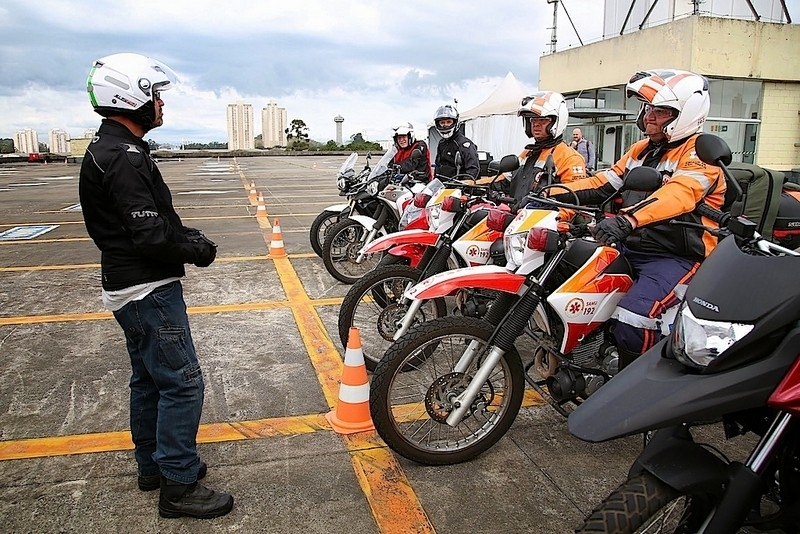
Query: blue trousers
x=638, y=325
x=166, y=384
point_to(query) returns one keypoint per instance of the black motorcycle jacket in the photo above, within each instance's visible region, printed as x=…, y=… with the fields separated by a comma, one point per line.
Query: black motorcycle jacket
x=457, y=155
x=128, y=212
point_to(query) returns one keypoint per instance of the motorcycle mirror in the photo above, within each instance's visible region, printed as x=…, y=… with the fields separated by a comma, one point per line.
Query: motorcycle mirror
x=644, y=179
x=508, y=163
x=549, y=168
x=715, y=151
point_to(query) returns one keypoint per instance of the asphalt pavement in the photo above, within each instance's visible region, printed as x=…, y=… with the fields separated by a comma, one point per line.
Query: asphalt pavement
x=265, y=332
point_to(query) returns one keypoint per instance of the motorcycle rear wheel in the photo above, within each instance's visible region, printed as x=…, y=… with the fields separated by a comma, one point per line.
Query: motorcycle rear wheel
x=644, y=504
x=340, y=251
x=320, y=228
x=373, y=304
x=414, y=382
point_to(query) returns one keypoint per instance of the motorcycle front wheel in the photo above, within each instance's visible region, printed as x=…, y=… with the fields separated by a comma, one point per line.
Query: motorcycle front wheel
x=375, y=305
x=644, y=504
x=414, y=384
x=340, y=252
x=320, y=228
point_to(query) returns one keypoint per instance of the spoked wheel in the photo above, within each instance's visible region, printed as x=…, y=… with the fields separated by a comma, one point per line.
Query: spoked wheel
x=320, y=228
x=375, y=305
x=340, y=252
x=644, y=504
x=415, y=384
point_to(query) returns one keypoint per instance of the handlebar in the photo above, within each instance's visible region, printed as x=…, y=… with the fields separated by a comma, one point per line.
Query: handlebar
x=719, y=217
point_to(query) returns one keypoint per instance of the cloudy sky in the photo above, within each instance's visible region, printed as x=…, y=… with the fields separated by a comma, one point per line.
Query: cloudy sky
x=376, y=63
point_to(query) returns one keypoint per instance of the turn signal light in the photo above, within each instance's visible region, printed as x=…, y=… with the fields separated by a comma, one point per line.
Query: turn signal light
x=543, y=239
x=421, y=200
x=452, y=204
x=498, y=220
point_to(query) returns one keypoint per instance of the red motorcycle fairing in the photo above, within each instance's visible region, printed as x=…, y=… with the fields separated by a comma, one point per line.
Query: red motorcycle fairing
x=787, y=395
x=411, y=252
x=491, y=277
x=421, y=237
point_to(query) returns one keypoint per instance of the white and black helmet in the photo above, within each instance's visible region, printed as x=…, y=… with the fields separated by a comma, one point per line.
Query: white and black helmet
x=402, y=130
x=446, y=112
x=544, y=104
x=127, y=84
x=684, y=91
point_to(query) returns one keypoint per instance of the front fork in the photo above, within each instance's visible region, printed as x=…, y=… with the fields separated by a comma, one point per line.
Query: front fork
x=509, y=328
x=435, y=262
x=383, y=214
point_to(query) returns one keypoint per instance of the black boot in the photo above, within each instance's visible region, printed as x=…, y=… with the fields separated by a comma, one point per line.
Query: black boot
x=153, y=482
x=193, y=500
x=626, y=357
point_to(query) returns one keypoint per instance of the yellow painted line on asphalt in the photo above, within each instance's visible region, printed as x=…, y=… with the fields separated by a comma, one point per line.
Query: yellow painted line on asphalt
x=392, y=500
x=192, y=310
x=22, y=449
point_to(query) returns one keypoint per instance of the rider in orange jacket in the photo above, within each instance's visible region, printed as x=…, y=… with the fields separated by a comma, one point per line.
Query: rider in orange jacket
x=544, y=118
x=675, y=105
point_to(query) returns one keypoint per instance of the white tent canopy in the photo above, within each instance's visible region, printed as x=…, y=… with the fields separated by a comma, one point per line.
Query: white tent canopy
x=493, y=125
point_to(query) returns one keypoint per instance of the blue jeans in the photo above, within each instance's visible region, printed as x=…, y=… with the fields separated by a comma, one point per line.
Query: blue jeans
x=166, y=384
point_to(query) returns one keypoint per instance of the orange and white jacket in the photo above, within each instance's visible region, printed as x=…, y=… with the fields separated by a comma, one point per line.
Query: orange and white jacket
x=686, y=182
x=569, y=164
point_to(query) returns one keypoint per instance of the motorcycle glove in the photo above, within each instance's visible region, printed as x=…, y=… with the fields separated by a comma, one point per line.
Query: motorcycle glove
x=206, y=250
x=612, y=230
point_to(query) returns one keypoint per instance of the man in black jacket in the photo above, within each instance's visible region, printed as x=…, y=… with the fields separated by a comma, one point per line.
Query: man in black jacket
x=455, y=154
x=128, y=212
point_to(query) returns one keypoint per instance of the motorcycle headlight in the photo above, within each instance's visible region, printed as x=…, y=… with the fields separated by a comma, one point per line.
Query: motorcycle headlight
x=372, y=188
x=341, y=183
x=433, y=213
x=514, y=245
x=698, y=342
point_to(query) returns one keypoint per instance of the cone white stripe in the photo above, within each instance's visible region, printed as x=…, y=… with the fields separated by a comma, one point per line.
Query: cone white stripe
x=275, y=244
x=354, y=394
x=353, y=357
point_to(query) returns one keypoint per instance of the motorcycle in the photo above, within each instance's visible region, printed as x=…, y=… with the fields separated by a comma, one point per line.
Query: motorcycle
x=458, y=236
x=450, y=388
x=349, y=184
x=341, y=249
x=732, y=357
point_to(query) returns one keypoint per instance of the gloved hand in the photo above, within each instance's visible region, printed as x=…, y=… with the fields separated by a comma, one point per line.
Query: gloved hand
x=612, y=230
x=206, y=250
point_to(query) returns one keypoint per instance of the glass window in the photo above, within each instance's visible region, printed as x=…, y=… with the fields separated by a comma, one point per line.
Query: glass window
x=737, y=99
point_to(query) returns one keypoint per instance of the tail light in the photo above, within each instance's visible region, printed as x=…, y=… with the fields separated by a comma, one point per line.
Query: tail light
x=421, y=200
x=453, y=204
x=543, y=239
x=498, y=220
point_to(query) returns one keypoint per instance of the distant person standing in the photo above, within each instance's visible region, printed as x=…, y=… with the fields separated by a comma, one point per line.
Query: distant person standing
x=584, y=147
x=455, y=154
x=128, y=212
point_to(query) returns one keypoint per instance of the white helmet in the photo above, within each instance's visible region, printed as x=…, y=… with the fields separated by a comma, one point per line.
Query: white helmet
x=400, y=130
x=544, y=104
x=446, y=112
x=681, y=90
x=127, y=84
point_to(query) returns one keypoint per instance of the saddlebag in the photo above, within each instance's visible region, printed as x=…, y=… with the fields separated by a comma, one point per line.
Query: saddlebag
x=786, y=230
x=761, y=195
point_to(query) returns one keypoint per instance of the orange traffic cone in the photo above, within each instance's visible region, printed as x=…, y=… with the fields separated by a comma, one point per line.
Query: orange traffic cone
x=261, y=211
x=253, y=194
x=352, y=412
x=276, y=249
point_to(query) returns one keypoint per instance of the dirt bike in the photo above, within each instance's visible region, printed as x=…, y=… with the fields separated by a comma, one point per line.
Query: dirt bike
x=457, y=236
x=450, y=388
x=350, y=184
x=341, y=249
x=732, y=357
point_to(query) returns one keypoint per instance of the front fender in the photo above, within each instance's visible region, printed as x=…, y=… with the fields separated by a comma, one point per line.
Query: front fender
x=491, y=277
x=366, y=222
x=673, y=457
x=404, y=237
x=337, y=208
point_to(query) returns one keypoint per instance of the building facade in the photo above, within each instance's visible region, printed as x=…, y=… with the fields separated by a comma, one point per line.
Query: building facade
x=273, y=125
x=58, y=142
x=754, y=76
x=241, y=133
x=26, y=141
x=338, y=119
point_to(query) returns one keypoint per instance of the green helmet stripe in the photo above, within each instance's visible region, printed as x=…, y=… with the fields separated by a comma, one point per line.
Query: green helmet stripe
x=90, y=87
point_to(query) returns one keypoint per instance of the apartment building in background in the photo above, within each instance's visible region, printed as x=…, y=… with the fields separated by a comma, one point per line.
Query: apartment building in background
x=273, y=124
x=26, y=141
x=241, y=131
x=58, y=142
x=746, y=48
